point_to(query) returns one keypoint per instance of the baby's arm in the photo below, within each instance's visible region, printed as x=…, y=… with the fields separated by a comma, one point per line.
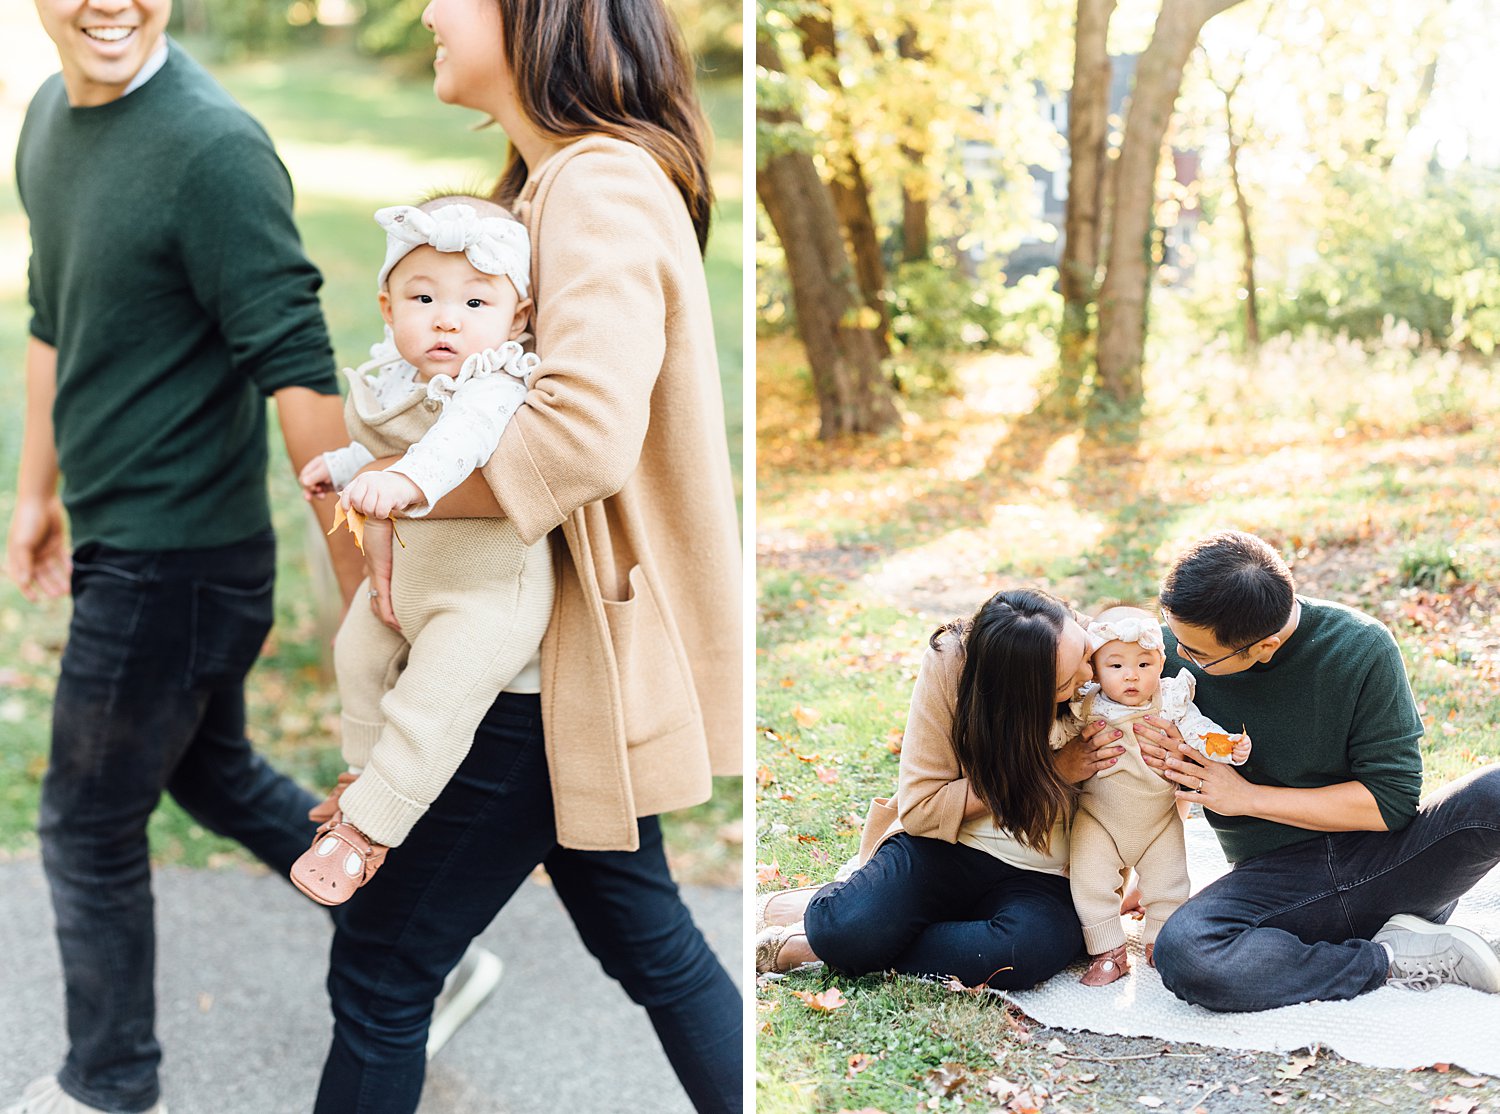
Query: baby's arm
x=1178, y=706
x=461, y=440
x=1196, y=729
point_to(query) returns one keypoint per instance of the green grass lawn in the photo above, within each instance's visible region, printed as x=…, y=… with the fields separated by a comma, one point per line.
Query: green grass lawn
x=1373, y=472
x=355, y=135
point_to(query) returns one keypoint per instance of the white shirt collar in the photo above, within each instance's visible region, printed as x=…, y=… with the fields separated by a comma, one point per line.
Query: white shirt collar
x=148, y=70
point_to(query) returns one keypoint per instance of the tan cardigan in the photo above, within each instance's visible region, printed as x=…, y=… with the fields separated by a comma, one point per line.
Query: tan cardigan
x=620, y=452
x=931, y=791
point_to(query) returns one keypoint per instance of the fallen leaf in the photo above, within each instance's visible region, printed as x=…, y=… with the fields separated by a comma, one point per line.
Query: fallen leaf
x=1024, y=1103
x=1086, y=1077
x=1455, y=1104
x=1469, y=1081
x=768, y=872
x=1055, y=1046
x=205, y=1002
x=1296, y=1065
x=1280, y=1098
x=806, y=717
x=825, y=1001
x=827, y=776
x=1149, y=1100
x=999, y=1087
x=764, y=776
x=858, y=1063
x=946, y=1078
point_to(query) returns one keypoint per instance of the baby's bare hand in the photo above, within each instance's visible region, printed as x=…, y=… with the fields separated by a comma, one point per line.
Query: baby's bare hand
x=315, y=478
x=381, y=494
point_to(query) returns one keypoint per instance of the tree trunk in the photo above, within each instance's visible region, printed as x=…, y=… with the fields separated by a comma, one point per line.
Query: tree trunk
x=851, y=193
x=1242, y=206
x=1122, y=298
x=1088, y=130
x=844, y=358
x=915, y=246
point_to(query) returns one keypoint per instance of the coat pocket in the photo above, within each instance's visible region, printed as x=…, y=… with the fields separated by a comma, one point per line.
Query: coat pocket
x=654, y=692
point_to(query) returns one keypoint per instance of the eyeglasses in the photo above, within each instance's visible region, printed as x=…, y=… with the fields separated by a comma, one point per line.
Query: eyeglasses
x=1192, y=657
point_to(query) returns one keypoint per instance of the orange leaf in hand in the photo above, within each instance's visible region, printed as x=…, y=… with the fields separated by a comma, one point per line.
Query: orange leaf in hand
x=1219, y=745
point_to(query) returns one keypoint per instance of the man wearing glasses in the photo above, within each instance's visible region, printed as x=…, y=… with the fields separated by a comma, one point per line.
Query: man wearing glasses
x=1341, y=880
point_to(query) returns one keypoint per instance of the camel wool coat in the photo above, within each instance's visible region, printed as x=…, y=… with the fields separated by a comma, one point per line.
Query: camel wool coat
x=620, y=454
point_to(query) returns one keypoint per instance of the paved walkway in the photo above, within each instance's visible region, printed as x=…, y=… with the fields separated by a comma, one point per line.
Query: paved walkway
x=243, y=1017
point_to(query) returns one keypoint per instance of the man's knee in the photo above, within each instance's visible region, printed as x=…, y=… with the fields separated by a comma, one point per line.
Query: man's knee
x=1187, y=959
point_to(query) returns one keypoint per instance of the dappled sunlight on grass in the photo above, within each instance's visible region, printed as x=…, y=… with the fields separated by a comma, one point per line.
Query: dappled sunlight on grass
x=1364, y=469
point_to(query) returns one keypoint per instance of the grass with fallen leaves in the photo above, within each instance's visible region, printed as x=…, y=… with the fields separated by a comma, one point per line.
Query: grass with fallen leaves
x=1372, y=470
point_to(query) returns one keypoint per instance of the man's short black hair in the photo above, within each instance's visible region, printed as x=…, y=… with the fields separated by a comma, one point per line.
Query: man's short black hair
x=1232, y=584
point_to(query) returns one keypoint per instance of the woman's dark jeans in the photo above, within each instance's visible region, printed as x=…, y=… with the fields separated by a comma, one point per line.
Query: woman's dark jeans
x=407, y=928
x=150, y=696
x=1295, y=924
x=921, y=906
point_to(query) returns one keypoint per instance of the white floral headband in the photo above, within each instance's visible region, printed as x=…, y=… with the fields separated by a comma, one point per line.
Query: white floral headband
x=1146, y=632
x=494, y=245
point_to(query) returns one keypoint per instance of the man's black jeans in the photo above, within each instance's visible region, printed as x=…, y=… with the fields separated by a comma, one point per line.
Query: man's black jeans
x=1295, y=924
x=150, y=697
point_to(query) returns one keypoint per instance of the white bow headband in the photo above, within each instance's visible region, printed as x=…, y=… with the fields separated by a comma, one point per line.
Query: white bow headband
x=1146, y=632
x=494, y=245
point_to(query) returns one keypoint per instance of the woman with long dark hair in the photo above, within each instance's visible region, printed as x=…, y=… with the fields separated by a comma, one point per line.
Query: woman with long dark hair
x=964, y=871
x=619, y=456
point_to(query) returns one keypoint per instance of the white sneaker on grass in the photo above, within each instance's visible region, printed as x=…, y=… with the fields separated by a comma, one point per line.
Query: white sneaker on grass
x=464, y=991
x=46, y=1096
x=1425, y=955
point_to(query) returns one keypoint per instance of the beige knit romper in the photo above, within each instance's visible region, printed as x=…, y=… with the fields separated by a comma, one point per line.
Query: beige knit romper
x=473, y=601
x=1128, y=819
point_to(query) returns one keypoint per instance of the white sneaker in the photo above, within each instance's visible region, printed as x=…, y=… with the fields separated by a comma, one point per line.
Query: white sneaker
x=1426, y=955
x=46, y=1096
x=464, y=991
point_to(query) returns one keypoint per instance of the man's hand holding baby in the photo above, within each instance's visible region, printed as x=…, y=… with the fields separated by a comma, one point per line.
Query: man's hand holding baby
x=379, y=494
x=1215, y=785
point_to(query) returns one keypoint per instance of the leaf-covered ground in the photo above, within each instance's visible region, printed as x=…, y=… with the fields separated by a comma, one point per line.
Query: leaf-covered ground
x=1372, y=470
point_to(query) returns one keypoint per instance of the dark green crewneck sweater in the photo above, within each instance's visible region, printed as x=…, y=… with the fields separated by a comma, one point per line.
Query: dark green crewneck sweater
x=168, y=274
x=1333, y=704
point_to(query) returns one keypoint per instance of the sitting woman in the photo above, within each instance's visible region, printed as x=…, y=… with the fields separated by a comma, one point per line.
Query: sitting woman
x=967, y=875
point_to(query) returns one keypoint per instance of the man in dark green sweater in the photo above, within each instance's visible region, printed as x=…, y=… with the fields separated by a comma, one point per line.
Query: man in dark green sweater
x=1341, y=880
x=170, y=297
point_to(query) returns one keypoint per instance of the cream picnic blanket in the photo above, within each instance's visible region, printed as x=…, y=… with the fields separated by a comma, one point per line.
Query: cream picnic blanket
x=1386, y=1028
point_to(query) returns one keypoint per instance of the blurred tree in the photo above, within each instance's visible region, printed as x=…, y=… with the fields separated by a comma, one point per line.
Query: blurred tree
x=1088, y=135
x=851, y=192
x=1132, y=244
x=834, y=325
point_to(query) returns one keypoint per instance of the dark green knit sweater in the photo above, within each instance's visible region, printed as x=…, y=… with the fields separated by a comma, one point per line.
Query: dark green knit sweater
x=168, y=274
x=1332, y=705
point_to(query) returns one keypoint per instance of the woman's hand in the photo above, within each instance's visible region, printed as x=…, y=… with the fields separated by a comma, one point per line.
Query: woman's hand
x=1158, y=739
x=1213, y=785
x=378, y=552
x=1091, y=751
